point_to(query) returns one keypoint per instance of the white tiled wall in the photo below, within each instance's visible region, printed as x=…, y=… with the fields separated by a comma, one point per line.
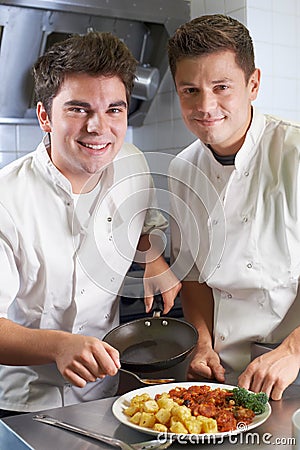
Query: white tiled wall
x=16, y=140
x=274, y=26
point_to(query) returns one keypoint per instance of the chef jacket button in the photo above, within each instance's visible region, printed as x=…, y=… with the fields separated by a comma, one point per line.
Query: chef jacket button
x=80, y=328
x=222, y=337
x=245, y=219
x=68, y=203
x=109, y=219
x=82, y=291
x=106, y=316
x=215, y=222
x=246, y=173
x=249, y=265
x=110, y=238
x=218, y=266
x=112, y=279
x=218, y=177
x=229, y=296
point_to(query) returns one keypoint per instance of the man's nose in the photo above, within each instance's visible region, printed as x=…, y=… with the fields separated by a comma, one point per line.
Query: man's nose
x=97, y=123
x=205, y=101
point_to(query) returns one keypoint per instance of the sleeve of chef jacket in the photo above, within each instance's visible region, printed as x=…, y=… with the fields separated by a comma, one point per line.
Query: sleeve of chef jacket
x=154, y=219
x=9, y=275
x=182, y=261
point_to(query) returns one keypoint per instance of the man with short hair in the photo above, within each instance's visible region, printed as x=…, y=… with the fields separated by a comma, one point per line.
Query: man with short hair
x=236, y=200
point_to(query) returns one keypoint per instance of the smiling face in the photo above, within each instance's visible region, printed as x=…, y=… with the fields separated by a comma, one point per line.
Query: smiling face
x=215, y=99
x=88, y=125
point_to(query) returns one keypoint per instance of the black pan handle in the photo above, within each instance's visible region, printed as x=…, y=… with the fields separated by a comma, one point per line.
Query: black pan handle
x=158, y=305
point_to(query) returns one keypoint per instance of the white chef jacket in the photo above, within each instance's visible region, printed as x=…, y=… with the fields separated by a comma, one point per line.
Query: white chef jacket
x=62, y=266
x=239, y=231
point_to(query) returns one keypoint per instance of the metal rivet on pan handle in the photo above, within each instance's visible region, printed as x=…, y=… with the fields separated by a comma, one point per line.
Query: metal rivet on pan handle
x=148, y=323
x=165, y=323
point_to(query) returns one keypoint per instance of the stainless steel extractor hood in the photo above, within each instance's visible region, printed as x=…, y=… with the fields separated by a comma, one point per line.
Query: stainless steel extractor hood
x=28, y=27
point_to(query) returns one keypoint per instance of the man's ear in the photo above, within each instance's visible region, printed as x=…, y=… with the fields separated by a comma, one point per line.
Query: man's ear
x=43, y=118
x=254, y=83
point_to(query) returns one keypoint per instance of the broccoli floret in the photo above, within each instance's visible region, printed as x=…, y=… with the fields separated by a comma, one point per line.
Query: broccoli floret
x=256, y=402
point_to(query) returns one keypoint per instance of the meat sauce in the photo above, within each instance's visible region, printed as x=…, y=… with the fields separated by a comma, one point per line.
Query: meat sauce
x=214, y=403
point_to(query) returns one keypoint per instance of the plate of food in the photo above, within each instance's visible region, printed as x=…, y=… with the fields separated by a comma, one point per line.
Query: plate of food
x=189, y=409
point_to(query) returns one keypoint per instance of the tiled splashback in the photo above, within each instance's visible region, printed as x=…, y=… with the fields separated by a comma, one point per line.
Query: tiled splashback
x=275, y=27
x=16, y=140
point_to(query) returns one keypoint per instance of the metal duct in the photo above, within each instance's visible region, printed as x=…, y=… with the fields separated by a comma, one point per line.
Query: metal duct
x=31, y=26
x=147, y=82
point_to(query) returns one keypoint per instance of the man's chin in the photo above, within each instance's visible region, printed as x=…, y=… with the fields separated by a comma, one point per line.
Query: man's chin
x=98, y=166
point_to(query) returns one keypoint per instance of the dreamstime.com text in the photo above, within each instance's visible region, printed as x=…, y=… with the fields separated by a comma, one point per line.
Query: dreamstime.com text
x=240, y=439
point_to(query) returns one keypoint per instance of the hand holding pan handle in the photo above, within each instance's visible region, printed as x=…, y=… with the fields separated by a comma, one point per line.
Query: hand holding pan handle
x=158, y=305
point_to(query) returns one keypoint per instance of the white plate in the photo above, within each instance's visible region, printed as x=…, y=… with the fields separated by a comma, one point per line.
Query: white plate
x=123, y=402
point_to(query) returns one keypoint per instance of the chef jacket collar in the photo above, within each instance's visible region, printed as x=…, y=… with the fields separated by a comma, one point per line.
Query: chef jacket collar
x=48, y=168
x=250, y=145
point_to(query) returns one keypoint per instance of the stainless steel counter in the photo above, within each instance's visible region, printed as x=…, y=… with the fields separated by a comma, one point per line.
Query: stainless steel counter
x=21, y=432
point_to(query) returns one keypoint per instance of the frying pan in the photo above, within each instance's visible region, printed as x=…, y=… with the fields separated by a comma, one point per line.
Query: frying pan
x=153, y=343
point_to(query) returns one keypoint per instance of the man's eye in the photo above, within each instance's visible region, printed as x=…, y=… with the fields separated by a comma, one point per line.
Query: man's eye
x=222, y=87
x=190, y=90
x=78, y=110
x=115, y=110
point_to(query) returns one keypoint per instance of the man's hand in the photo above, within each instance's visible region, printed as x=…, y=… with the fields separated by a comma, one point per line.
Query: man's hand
x=158, y=277
x=81, y=359
x=274, y=371
x=205, y=363
x=270, y=375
